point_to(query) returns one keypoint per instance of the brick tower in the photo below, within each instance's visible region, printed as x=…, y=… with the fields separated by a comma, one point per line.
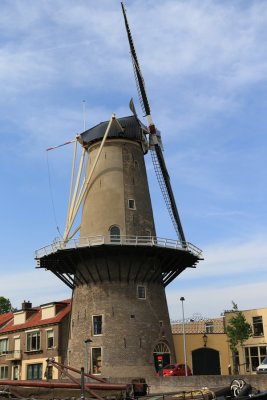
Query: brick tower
x=118, y=268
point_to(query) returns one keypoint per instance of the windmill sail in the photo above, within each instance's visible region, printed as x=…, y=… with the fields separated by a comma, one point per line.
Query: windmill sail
x=156, y=152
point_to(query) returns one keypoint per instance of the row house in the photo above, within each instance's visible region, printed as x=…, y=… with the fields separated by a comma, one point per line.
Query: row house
x=31, y=335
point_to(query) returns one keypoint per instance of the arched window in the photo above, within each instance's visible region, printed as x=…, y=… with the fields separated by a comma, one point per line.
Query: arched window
x=114, y=233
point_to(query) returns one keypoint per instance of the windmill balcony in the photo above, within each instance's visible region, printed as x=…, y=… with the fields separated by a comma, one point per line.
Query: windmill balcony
x=13, y=355
x=115, y=240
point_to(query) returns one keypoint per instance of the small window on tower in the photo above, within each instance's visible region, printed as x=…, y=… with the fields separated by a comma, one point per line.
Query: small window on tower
x=114, y=233
x=97, y=325
x=141, y=292
x=131, y=204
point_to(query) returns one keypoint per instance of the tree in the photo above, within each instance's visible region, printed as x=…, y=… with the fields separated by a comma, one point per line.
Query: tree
x=5, y=305
x=238, y=331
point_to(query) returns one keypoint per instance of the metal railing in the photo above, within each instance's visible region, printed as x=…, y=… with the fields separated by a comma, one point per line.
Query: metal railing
x=116, y=240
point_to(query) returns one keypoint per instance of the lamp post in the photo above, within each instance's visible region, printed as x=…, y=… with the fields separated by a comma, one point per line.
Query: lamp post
x=185, y=359
x=86, y=365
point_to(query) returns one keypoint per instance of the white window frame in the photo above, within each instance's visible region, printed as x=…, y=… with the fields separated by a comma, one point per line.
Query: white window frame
x=32, y=333
x=4, y=351
x=249, y=364
x=47, y=338
x=209, y=327
x=93, y=325
x=3, y=372
x=98, y=371
x=115, y=237
x=141, y=297
x=129, y=204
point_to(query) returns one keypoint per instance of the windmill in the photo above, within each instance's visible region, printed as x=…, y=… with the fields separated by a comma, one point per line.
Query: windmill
x=118, y=267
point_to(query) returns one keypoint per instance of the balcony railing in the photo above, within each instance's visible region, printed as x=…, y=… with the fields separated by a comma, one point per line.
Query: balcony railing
x=13, y=355
x=117, y=241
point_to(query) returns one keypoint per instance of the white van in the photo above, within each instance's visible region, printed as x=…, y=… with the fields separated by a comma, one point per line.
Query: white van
x=262, y=368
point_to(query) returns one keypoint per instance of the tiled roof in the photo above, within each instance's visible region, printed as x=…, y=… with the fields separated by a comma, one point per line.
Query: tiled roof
x=199, y=326
x=35, y=319
x=4, y=318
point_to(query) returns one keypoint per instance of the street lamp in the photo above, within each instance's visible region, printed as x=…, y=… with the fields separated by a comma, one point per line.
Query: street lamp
x=86, y=365
x=185, y=360
x=205, y=339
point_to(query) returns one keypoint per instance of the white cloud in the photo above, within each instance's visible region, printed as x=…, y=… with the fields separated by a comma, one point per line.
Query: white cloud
x=37, y=286
x=211, y=301
x=202, y=62
x=231, y=271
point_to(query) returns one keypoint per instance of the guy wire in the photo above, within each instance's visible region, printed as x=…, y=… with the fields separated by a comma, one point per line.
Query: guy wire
x=51, y=195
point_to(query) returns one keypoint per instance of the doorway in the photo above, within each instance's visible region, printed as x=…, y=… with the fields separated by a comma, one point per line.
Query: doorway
x=206, y=362
x=162, y=356
x=15, y=372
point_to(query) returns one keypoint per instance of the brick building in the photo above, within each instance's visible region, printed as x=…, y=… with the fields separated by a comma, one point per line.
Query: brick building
x=31, y=335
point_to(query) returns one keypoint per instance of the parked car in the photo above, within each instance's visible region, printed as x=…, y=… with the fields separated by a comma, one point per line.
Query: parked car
x=176, y=370
x=262, y=368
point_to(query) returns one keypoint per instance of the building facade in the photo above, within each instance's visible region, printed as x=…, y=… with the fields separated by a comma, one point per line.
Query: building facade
x=207, y=347
x=31, y=335
x=207, y=350
x=254, y=350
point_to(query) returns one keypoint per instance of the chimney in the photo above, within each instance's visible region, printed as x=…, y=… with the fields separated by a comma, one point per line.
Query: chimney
x=26, y=305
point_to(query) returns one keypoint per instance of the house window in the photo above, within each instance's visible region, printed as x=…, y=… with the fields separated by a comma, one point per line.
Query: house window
x=254, y=355
x=257, y=326
x=3, y=346
x=50, y=339
x=3, y=372
x=209, y=327
x=34, y=371
x=131, y=204
x=114, y=233
x=97, y=325
x=141, y=292
x=33, y=341
x=96, y=360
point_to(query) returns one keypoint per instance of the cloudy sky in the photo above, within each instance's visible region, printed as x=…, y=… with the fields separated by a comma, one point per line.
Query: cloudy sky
x=205, y=67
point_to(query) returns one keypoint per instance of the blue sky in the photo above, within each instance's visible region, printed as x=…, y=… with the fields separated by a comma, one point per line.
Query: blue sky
x=205, y=67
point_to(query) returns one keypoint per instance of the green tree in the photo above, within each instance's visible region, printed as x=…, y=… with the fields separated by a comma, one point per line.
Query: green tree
x=238, y=331
x=5, y=305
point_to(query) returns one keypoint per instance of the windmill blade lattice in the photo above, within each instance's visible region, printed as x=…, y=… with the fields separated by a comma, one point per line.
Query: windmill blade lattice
x=164, y=182
x=157, y=155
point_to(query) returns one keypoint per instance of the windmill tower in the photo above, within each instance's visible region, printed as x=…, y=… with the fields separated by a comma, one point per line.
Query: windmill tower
x=118, y=268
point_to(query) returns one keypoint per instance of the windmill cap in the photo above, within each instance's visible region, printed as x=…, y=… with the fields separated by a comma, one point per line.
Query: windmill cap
x=133, y=129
